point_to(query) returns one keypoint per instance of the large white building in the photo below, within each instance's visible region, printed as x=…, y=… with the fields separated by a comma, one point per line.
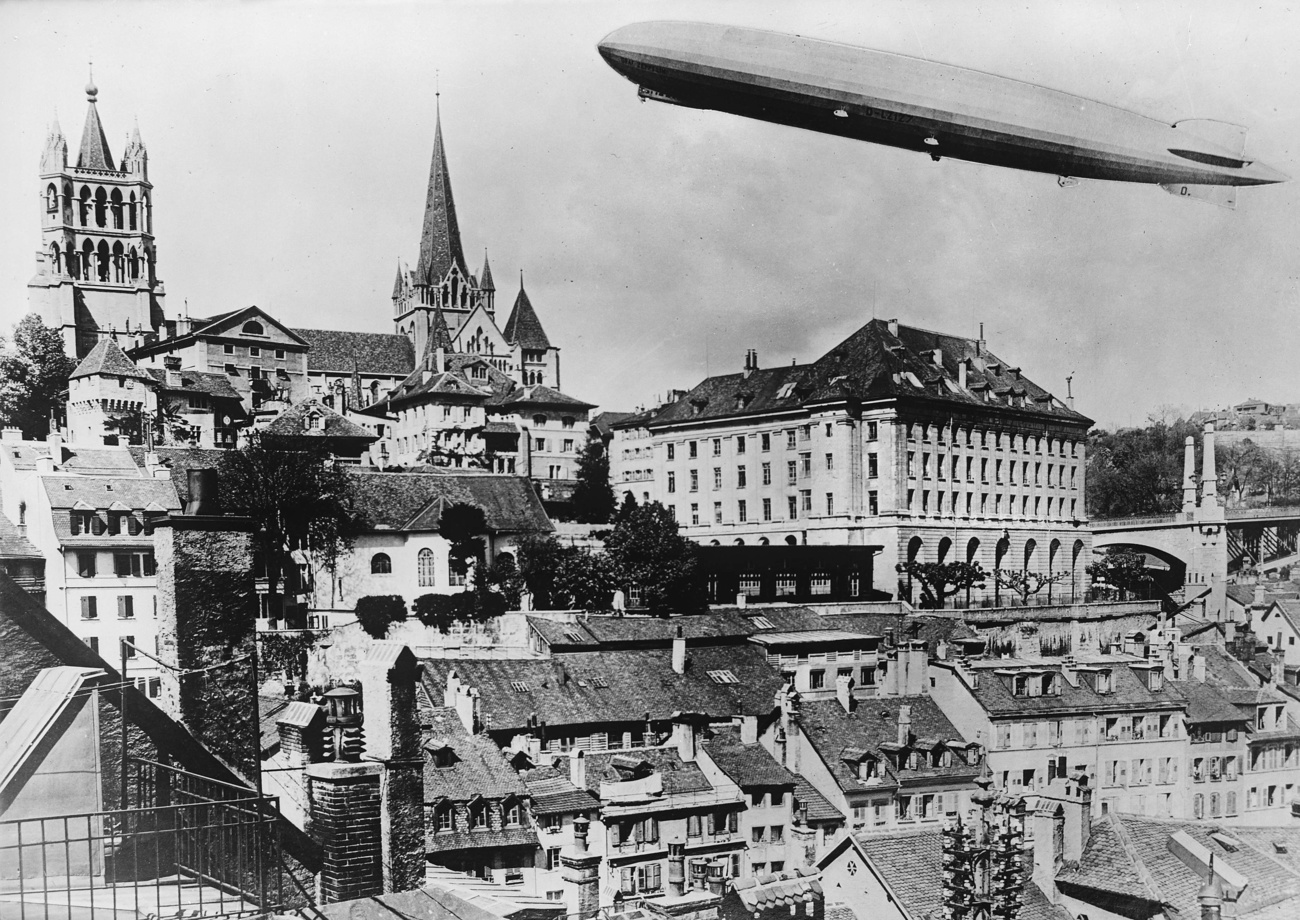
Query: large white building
x=924, y=443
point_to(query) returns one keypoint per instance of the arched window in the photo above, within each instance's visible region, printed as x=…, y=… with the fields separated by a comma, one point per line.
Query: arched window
x=116, y=207
x=1074, y=568
x=119, y=263
x=52, y=198
x=101, y=207
x=130, y=211
x=539, y=420
x=380, y=564
x=253, y=327
x=425, y=568
x=56, y=262
x=945, y=545
x=133, y=264
x=1031, y=549
x=792, y=540
x=101, y=259
x=87, y=260
x=83, y=206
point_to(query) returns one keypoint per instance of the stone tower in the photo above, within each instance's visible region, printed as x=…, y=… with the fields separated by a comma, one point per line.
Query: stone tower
x=441, y=278
x=96, y=268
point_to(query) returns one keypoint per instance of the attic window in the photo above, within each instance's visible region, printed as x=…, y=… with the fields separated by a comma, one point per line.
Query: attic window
x=762, y=623
x=723, y=677
x=519, y=686
x=786, y=390
x=253, y=327
x=572, y=635
x=600, y=683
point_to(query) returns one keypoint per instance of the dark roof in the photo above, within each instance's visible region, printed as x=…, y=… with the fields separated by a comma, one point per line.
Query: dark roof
x=568, y=690
x=928, y=629
x=678, y=775
x=553, y=795
x=449, y=383
x=94, y=153
x=819, y=807
x=995, y=695
x=1242, y=594
x=110, y=461
x=291, y=424
x=483, y=838
x=1207, y=704
x=440, y=234
x=523, y=328
x=101, y=492
x=604, y=422
x=479, y=767
x=216, y=386
x=539, y=395
x=414, y=501
x=373, y=352
x=833, y=733
x=268, y=711
x=108, y=359
x=14, y=543
x=1129, y=856
x=877, y=364
x=485, y=277
x=179, y=461
x=746, y=764
x=720, y=626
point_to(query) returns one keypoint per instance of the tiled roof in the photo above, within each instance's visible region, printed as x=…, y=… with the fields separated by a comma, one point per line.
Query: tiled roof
x=910, y=863
x=720, y=626
x=480, y=839
x=479, y=768
x=107, y=358
x=291, y=423
x=216, y=386
x=539, y=395
x=179, y=461
x=448, y=384
x=877, y=364
x=94, y=153
x=87, y=460
x=554, y=795
x=994, y=694
x=14, y=543
x=336, y=351
x=1128, y=855
x=768, y=892
x=440, y=234
x=1206, y=703
x=523, y=328
x=100, y=492
x=928, y=629
x=678, y=776
x=414, y=501
x=874, y=722
x=604, y=422
x=746, y=764
x=819, y=807
x=1242, y=594
x=567, y=690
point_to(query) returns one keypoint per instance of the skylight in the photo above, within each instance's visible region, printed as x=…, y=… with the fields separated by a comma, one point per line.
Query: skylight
x=572, y=635
x=599, y=682
x=723, y=677
x=762, y=622
x=518, y=686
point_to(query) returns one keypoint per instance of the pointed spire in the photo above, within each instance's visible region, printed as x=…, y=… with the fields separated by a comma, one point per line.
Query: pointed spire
x=94, y=143
x=439, y=334
x=398, y=286
x=440, y=237
x=135, y=131
x=485, y=279
x=523, y=328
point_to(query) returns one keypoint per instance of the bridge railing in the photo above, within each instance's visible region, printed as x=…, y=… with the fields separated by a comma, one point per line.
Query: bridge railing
x=1140, y=520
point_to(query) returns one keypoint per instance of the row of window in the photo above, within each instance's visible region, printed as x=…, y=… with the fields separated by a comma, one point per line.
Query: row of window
x=125, y=607
x=792, y=437
x=253, y=351
x=951, y=468
x=1081, y=731
x=929, y=806
x=125, y=565
x=426, y=571
x=794, y=504
x=475, y=816
x=951, y=503
x=100, y=207
x=114, y=523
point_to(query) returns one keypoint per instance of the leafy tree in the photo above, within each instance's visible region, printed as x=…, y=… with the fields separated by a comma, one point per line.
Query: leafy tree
x=1136, y=470
x=1121, y=569
x=539, y=557
x=504, y=577
x=593, y=499
x=585, y=580
x=286, y=652
x=443, y=610
x=33, y=372
x=377, y=612
x=464, y=526
x=941, y=580
x=1025, y=584
x=297, y=498
x=648, y=551
x=628, y=506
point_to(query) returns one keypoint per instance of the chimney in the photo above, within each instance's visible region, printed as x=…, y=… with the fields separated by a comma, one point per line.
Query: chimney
x=11, y=434
x=892, y=326
x=55, y=442
x=1070, y=671
x=980, y=345
x=676, y=869
x=1189, y=475
x=914, y=663
x=580, y=869
x=961, y=373
x=685, y=738
x=389, y=675
x=1260, y=600
x=753, y=359
x=749, y=729
x=904, y=724
x=844, y=691
x=717, y=881
x=741, y=599
x=203, y=493
x=937, y=357
x=172, y=371
x=347, y=823
x=1209, y=475
x=578, y=768
x=679, y=652
x=1198, y=668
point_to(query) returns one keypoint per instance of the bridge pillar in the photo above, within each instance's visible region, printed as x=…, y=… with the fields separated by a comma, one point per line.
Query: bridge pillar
x=1189, y=476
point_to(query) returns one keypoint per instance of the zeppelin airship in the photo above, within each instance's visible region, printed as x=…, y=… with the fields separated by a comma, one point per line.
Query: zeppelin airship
x=932, y=108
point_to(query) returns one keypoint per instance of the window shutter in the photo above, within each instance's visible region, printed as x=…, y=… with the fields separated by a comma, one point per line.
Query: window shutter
x=732, y=821
x=652, y=830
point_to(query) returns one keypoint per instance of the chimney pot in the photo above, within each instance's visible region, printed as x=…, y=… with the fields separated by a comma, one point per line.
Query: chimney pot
x=679, y=652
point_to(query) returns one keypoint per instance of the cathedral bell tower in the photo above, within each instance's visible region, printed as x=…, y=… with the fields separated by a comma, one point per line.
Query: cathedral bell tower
x=96, y=268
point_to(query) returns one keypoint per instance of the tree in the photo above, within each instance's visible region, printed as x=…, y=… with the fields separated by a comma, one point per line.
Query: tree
x=463, y=526
x=1136, y=470
x=32, y=375
x=649, y=552
x=286, y=652
x=377, y=612
x=593, y=499
x=539, y=557
x=628, y=506
x=1121, y=569
x=298, y=499
x=941, y=580
x=443, y=610
x=585, y=580
x=504, y=577
x=1025, y=584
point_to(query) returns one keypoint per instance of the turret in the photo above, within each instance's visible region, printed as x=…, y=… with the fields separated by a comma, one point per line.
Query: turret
x=55, y=156
x=135, y=159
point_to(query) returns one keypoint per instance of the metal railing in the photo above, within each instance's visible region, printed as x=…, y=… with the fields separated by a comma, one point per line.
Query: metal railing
x=188, y=846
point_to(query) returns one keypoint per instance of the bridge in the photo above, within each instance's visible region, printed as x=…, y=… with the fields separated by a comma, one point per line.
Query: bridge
x=1205, y=544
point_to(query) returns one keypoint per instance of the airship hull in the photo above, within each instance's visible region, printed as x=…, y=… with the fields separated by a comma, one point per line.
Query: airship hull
x=913, y=104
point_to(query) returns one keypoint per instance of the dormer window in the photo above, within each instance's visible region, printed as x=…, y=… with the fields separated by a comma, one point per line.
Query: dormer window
x=913, y=760
x=867, y=769
x=1020, y=685
x=511, y=813
x=445, y=817
x=1103, y=681
x=478, y=817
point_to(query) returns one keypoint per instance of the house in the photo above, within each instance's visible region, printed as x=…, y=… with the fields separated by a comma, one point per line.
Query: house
x=1279, y=626
x=311, y=424
x=778, y=838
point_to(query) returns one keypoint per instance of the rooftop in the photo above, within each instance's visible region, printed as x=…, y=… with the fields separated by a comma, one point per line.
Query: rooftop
x=414, y=501
x=746, y=764
x=340, y=352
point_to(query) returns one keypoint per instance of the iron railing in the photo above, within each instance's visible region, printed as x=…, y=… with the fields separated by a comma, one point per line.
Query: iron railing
x=188, y=846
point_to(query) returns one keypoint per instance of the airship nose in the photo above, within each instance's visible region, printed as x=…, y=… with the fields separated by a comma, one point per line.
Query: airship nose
x=1266, y=175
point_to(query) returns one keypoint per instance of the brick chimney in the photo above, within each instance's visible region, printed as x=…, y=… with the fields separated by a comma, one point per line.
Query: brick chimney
x=580, y=869
x=685, y=737
x=346, y=810
x=904, y=725
x=389, y=675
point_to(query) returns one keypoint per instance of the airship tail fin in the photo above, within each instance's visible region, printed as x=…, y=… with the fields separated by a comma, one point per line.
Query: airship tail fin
x=1225, y=196
x=1230, y=137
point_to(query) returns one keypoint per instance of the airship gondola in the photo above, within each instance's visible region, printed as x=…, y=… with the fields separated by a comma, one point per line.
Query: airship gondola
x=937, y=109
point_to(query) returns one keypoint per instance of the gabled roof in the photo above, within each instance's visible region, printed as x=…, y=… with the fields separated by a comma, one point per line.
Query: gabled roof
x=14, y=543
x=107, y=359
x=1128, y=691
x=523, y=328
x=553, y=794
x=440, y=234
x=94, y=152
x=41, y=711
x=607, y=687
x=539, y=395
x=414, y=501
x=679, y=776
x=719, y=626
x=478, y=768
x=450, y=383
x=335, y=350
x=819, y=807
x=216, y=386
x=215, y=325
x=439, y=335
x=747, y=765
x=291, y=423
x=604, y=422
x=767, y=892
x=875, y=364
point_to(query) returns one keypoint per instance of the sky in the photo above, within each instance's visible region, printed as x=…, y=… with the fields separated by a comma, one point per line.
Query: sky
x=289, y=147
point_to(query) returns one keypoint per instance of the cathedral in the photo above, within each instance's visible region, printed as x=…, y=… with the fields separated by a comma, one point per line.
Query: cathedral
x=96, y=268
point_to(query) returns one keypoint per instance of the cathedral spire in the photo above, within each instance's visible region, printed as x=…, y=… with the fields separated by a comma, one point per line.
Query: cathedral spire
x=94, y=143
x=485, y=279
x=398, y=286
x=440, y=237
x=523, y=328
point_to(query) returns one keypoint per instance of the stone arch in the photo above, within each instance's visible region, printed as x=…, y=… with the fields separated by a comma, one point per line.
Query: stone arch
x=133, y=263
x=56, y=259
x=739, y=541
x=115, y=208
x=1076, y=553
x=101, y=207
x=1053, y=554
x=972, y=549
x=101, y=260
x=131, y=205
x=83, y=206
x=792, y=540
x=945, y=547
x=914, y=547
x=52, y=198
x=119, y=262
x=764, y=541
x=999, y=553
x=1031, y=554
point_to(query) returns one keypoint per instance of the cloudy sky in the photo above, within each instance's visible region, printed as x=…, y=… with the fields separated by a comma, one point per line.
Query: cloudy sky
x=289, y=147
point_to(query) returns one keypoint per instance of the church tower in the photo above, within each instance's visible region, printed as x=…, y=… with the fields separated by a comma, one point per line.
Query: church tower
x=441, y=279
x=95, y=270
